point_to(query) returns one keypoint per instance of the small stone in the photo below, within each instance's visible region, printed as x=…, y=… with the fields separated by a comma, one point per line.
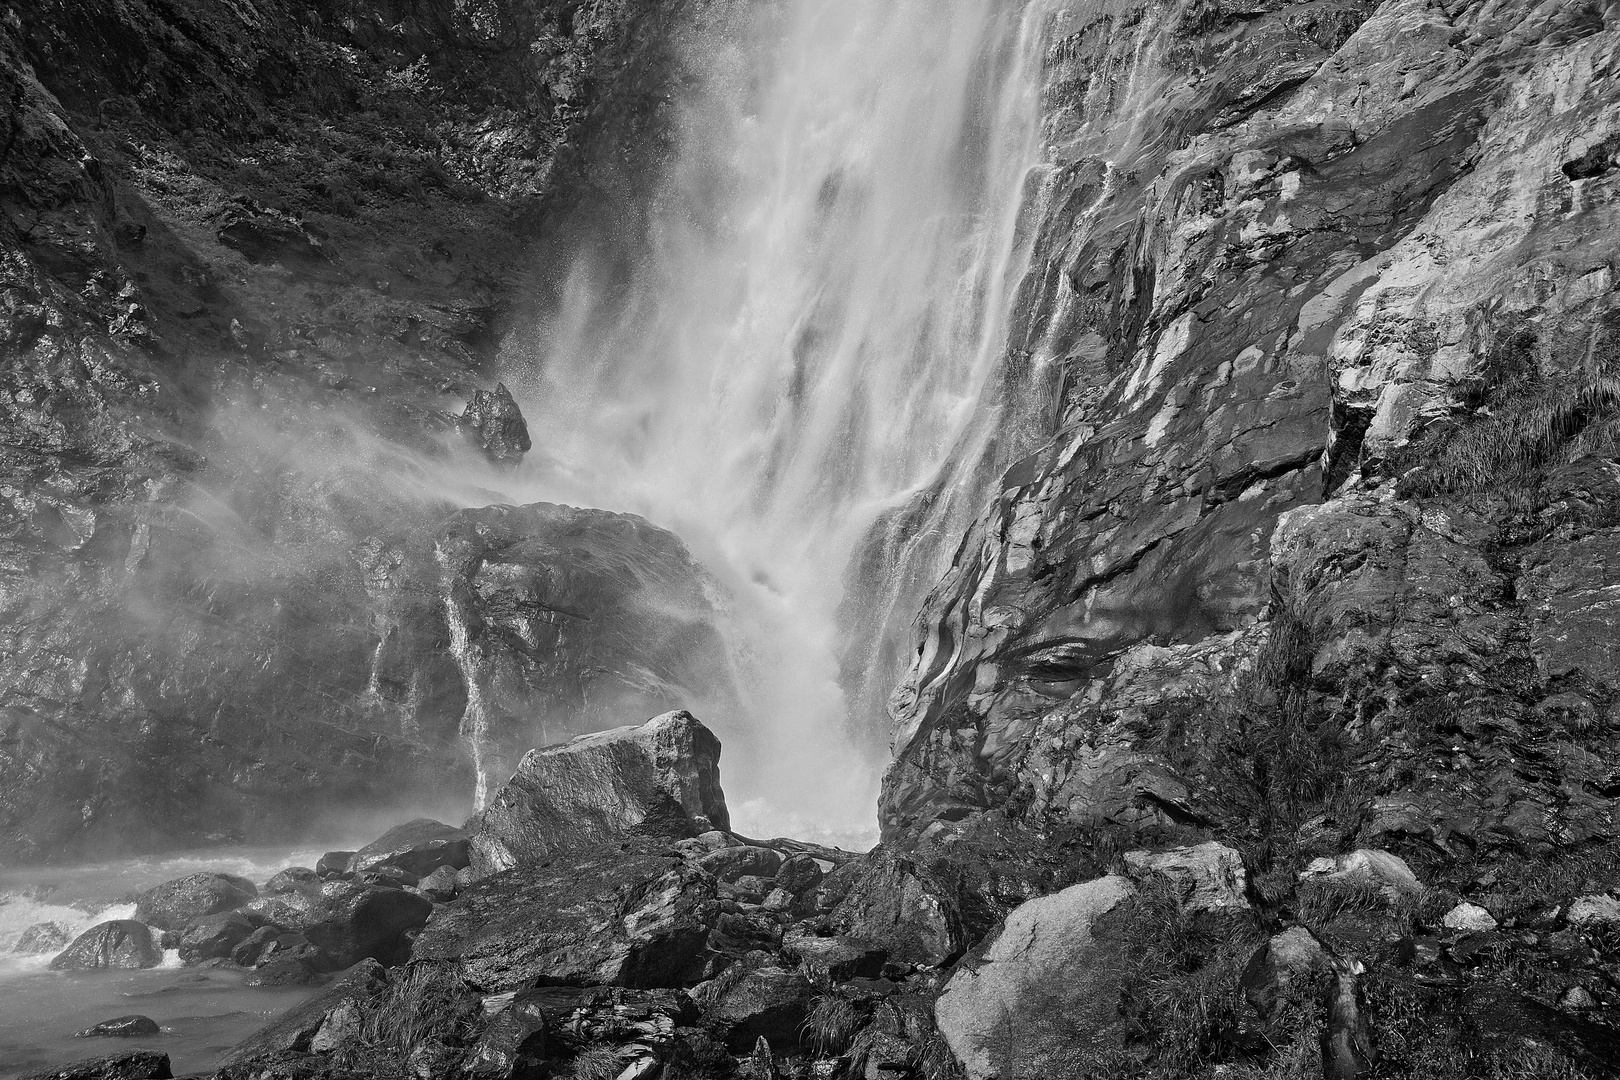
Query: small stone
x=1469, y=917
x=121, y=1027
x=1386, y=870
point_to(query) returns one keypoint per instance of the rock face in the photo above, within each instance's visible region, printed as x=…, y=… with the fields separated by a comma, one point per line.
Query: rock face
x=662, y=779
x=123, y=943
x=1044, y=961
x=220, y=594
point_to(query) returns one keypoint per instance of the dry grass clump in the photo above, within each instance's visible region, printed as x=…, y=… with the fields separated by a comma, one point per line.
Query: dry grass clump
x=595, y=1063
x=423, y=1003
x=832, y=1025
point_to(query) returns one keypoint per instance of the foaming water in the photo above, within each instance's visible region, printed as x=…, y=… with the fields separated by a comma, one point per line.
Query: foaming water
x=201, y=1013
x=804, y=344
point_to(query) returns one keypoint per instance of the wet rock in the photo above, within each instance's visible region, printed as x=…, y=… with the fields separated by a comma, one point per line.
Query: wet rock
x=122, y=943
x=834, y=959
x=341, y=1028
x=216, y=935
x=349, y=920
x=173, y=904
x=911, y=914
x=1209, y=877
x=632, y=918
x=731, y=863
x=1596, y=910
x=1468, y=917
x=294, y=1030
x=798, y=875
x=768, y=1003
x=287, y=970
x=42, y=938
x=1380, y=869
x=1286, y=971
x=131, y=1065
x=662, y=778
x=293, y=879
x=495, y=424
x=417, y=847
x=762, y=1062
x=1046, y=957
x=335, y=864
x=121, y=1027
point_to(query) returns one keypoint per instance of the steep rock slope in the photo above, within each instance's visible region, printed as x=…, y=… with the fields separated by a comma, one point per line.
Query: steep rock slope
x=252, y=259
x=1289, y=251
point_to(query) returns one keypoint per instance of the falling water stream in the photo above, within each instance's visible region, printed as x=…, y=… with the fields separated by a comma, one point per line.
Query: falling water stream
x=821, y=302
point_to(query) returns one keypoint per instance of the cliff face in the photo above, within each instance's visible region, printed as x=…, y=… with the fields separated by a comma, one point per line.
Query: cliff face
x=1325, y=291
x=252, y=259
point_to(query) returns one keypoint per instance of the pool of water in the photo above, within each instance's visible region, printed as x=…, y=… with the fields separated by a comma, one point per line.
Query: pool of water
x=202, y=1012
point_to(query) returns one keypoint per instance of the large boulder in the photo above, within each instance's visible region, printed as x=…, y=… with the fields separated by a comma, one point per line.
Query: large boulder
x=130, y=1065
x=770, y=1003
x=348, y=921
x=1207, y=877
x=636, y=918
x=418, y=847
x=173, y=904
x=1046, y=960
x=908, y=911
x=662, y=779
x=122, y=943
x=217, y=935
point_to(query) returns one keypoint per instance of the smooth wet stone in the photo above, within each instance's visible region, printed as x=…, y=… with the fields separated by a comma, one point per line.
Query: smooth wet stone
x=216, y=935
x=292, y=879
x=122, y=943
x=121, y=1027
x=173, y=904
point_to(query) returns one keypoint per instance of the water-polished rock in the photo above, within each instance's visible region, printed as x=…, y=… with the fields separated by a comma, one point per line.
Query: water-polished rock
x=130, y=1065
x=216, y=935
x=122, y=943
x=42, y=938
x=418, y=847
x=121, y=1027
x=335, y=864
x=292, y=879
x=635, y=918
x=173, y=904
x=662, y=778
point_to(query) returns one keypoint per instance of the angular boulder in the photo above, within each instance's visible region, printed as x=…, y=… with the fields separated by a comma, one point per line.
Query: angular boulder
x=731, y=863
x=897, y=905
x=418, y=847
x=1046, y=959
x=632, y=918
x=130, y=1065
x=769, y=1003
x=1368, y=867
x=122, y=943
x=493, y=422
x=513, y=1044
x=1208, y=877
x=660, y=779
x=173, y=904
x=834, y=959
x=1288, y=969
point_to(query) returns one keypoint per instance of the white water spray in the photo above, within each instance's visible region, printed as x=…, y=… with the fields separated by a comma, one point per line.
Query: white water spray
x=806, y=340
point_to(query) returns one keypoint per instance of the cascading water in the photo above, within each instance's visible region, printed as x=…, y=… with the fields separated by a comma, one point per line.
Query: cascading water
x=805, y=341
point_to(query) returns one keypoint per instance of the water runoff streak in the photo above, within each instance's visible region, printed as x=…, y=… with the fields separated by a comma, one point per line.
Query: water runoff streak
x=805, y=341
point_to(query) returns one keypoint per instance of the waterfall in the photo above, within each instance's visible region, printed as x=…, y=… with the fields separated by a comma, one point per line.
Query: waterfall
x=804, y=343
